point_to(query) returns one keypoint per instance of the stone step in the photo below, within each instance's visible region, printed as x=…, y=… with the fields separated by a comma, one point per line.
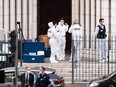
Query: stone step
x=90, y=68
x=89, y=52
x=49, y=65
x=85, y=70
x=69, y=79
x=83, y=74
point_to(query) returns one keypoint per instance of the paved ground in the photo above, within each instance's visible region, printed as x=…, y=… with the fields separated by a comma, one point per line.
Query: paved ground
x=76, y=85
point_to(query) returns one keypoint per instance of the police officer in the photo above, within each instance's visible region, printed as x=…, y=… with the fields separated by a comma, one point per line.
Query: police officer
x=52, y=34
x=62, y=28
x=101, y=36
x=43, y=79
x=76, y=31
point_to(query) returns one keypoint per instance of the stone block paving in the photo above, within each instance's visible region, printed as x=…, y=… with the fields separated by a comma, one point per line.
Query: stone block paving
x=76, y=85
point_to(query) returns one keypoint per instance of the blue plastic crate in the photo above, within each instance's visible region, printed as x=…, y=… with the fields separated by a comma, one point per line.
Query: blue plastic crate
x=33, y=59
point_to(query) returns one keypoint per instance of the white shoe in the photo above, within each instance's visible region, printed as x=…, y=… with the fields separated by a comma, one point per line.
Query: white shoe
x=54, y=61
x=63, y=59
x=59, y=59
x=102, y=61
x=70, y=61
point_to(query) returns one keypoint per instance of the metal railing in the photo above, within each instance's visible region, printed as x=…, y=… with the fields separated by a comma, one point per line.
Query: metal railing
x=94, y=61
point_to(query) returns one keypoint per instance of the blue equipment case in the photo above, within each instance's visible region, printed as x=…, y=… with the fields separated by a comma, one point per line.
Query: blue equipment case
x=30, y=48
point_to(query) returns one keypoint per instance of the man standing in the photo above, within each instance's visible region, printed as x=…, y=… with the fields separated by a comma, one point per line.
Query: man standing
x=76, y=31
x=27, y=78
x=101, y=36
x=43, y=79
x=52, y=34
x=62, y=28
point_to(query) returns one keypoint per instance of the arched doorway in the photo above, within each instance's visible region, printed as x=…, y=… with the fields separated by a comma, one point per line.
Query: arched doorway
x=53, y=10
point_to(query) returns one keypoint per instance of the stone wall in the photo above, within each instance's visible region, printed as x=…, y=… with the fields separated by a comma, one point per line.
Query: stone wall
x=24, y=11
x=88, y=13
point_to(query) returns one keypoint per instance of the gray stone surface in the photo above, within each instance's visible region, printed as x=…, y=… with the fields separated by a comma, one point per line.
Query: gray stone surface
x=76, y=85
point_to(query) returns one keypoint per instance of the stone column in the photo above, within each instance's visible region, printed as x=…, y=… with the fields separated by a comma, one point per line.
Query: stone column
x=25, y=18
x=1, y=21
x=98, y=11
x=75, y=9
x=1, y=14
x=92, y=17
x=6, y=15
x=87, y=23
x=105, y=12
x=34, y=20
x=19, y=10
x=30, y=19
x=113, y=17
x=93, y=23
x=12, y=15
x=82, y=13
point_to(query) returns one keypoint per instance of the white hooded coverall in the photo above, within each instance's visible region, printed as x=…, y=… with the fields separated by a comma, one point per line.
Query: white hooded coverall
x=52, y=34
x=76, y=31
x=62, y=29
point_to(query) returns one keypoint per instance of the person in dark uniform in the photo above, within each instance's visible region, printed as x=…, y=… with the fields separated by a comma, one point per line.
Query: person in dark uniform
x=43, y=79
x=27, y=78
x=101, y=37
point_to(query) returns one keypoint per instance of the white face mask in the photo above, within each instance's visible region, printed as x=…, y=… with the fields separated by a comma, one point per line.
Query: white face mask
x=40, y=72
x=28, y=71
x=61, y=23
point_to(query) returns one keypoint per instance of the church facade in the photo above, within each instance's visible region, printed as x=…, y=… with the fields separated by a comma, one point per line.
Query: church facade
x=35, y=14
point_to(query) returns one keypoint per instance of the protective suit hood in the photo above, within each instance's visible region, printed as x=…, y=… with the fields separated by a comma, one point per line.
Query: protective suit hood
x=76, y=26
x=50, y=24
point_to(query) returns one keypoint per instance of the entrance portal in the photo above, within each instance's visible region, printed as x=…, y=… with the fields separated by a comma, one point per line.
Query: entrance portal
x=53, y=10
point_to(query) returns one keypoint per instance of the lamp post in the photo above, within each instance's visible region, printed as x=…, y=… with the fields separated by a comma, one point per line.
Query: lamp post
x=109, y=36
x=16, y=59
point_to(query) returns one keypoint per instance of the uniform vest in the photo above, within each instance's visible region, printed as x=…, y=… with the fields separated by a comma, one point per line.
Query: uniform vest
x=101, y=33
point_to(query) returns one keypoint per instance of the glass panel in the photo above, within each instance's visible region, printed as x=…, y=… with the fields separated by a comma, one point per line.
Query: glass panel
x=8, y=76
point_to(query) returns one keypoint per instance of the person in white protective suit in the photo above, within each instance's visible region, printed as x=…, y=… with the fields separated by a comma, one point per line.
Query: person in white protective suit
x=76, y=31
x=62, y=28
x=52, y=34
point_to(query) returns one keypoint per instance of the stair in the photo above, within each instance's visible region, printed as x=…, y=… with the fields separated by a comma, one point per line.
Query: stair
x=87, y=69
x=92, y=55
